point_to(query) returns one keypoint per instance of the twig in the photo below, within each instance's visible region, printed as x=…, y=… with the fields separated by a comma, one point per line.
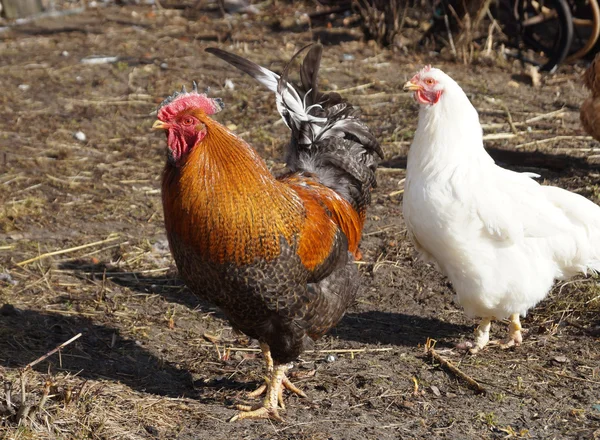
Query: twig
x=567, y=376
x=507, y=111
x=50, y=353
x=555, y=113
x=65, y=251
x=553, y=139
x=450, y=39
x=361, y=87
x=430, y=351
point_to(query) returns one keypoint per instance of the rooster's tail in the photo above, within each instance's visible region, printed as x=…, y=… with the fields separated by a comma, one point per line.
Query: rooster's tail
x=328, y=139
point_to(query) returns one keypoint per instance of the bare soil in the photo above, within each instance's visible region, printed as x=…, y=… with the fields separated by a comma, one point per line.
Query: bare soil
x=155, y=362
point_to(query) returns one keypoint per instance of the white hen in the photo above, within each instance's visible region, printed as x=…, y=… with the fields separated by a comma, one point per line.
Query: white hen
x=500, y=237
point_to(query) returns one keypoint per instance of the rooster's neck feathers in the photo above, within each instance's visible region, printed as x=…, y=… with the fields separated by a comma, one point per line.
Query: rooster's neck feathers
x=224, y=202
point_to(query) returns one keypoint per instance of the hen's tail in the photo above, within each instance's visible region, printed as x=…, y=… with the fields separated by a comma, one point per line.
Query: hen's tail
x=328, y=139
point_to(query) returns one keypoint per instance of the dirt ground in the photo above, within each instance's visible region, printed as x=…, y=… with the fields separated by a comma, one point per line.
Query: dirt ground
x=154, y=362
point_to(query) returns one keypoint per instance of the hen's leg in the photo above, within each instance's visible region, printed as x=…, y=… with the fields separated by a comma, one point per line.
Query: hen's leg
x=482, y=335
x=285, y=382
x=515, y=338
x=268, y=409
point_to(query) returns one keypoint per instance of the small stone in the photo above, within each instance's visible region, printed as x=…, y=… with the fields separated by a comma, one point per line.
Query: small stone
x=164, y=66
x=24, y=87
x=64, y=53
x=348, y=57
x=435, y=390
x=80, y=136
x=561, y=359
x=330, y=358
x=229, y=85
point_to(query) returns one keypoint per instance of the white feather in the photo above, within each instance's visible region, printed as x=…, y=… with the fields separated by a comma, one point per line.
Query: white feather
x=500, y=237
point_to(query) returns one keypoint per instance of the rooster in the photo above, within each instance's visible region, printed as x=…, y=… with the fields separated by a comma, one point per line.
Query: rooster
x=500, y=237
x=590, y=109
x=276, y=255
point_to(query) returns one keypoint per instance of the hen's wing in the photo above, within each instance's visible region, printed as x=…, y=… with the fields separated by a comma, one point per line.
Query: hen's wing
x=512, y=206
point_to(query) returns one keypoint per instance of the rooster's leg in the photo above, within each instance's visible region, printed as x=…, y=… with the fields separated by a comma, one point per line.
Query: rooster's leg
x=285, y=382
x=482, y=335
x=268, y=409
x=514, y=332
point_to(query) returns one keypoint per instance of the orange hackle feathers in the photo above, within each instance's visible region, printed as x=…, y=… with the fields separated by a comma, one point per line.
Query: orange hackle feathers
x=223, y=201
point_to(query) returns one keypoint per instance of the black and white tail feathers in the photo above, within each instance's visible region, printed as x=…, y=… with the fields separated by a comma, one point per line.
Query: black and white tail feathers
x=328, y=139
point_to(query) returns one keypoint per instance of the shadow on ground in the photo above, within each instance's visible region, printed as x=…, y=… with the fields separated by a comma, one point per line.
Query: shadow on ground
x=101, y=352
x=371, y=327
x=390, y=328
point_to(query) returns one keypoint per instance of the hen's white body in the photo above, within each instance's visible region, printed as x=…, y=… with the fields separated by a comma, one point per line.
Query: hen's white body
x=500, y=237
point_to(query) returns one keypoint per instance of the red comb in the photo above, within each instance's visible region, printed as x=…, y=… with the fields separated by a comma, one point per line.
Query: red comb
x=183, y=100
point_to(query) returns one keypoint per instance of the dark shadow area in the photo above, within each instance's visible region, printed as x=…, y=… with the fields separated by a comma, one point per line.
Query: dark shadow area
x=100, y=353
x=169, y=286
x=522, y=161
x=375, y=327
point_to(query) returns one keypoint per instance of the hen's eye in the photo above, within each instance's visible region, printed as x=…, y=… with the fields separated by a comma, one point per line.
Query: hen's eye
x=429, y=81
x=187, y=121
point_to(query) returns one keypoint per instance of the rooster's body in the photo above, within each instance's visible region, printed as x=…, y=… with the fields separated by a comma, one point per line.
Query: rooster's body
x=500, y=237
x=275, y=254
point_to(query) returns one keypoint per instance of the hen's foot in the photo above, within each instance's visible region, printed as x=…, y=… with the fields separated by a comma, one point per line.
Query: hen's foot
x=482, y=335
x=269, y=407
x=515, y=337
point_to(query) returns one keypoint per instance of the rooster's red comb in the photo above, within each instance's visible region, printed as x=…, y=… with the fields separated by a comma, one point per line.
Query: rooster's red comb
x=182, y=100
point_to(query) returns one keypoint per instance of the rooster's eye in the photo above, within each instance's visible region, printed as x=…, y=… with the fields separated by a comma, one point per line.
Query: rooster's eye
x=429, y=81
x=187, y=121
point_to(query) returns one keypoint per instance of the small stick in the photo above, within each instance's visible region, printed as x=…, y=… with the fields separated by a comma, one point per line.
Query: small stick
x=360, y=87
x=555, y=138
x=65, y=251
x=507, y=111
x=430, y=351
x=50, y=353
x=450, y=39
x=8, y=396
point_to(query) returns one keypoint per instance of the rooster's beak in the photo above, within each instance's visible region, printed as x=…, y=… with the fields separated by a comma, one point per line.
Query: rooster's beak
x=160, y=125
x=410, y=86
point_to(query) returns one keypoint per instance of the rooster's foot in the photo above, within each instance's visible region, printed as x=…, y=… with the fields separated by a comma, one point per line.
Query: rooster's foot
x=286, y=383
x=273, y=401
x=256, y=412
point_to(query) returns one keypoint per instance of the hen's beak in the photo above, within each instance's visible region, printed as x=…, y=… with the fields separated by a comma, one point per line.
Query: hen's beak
x=160, y=125
x=410, y=86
